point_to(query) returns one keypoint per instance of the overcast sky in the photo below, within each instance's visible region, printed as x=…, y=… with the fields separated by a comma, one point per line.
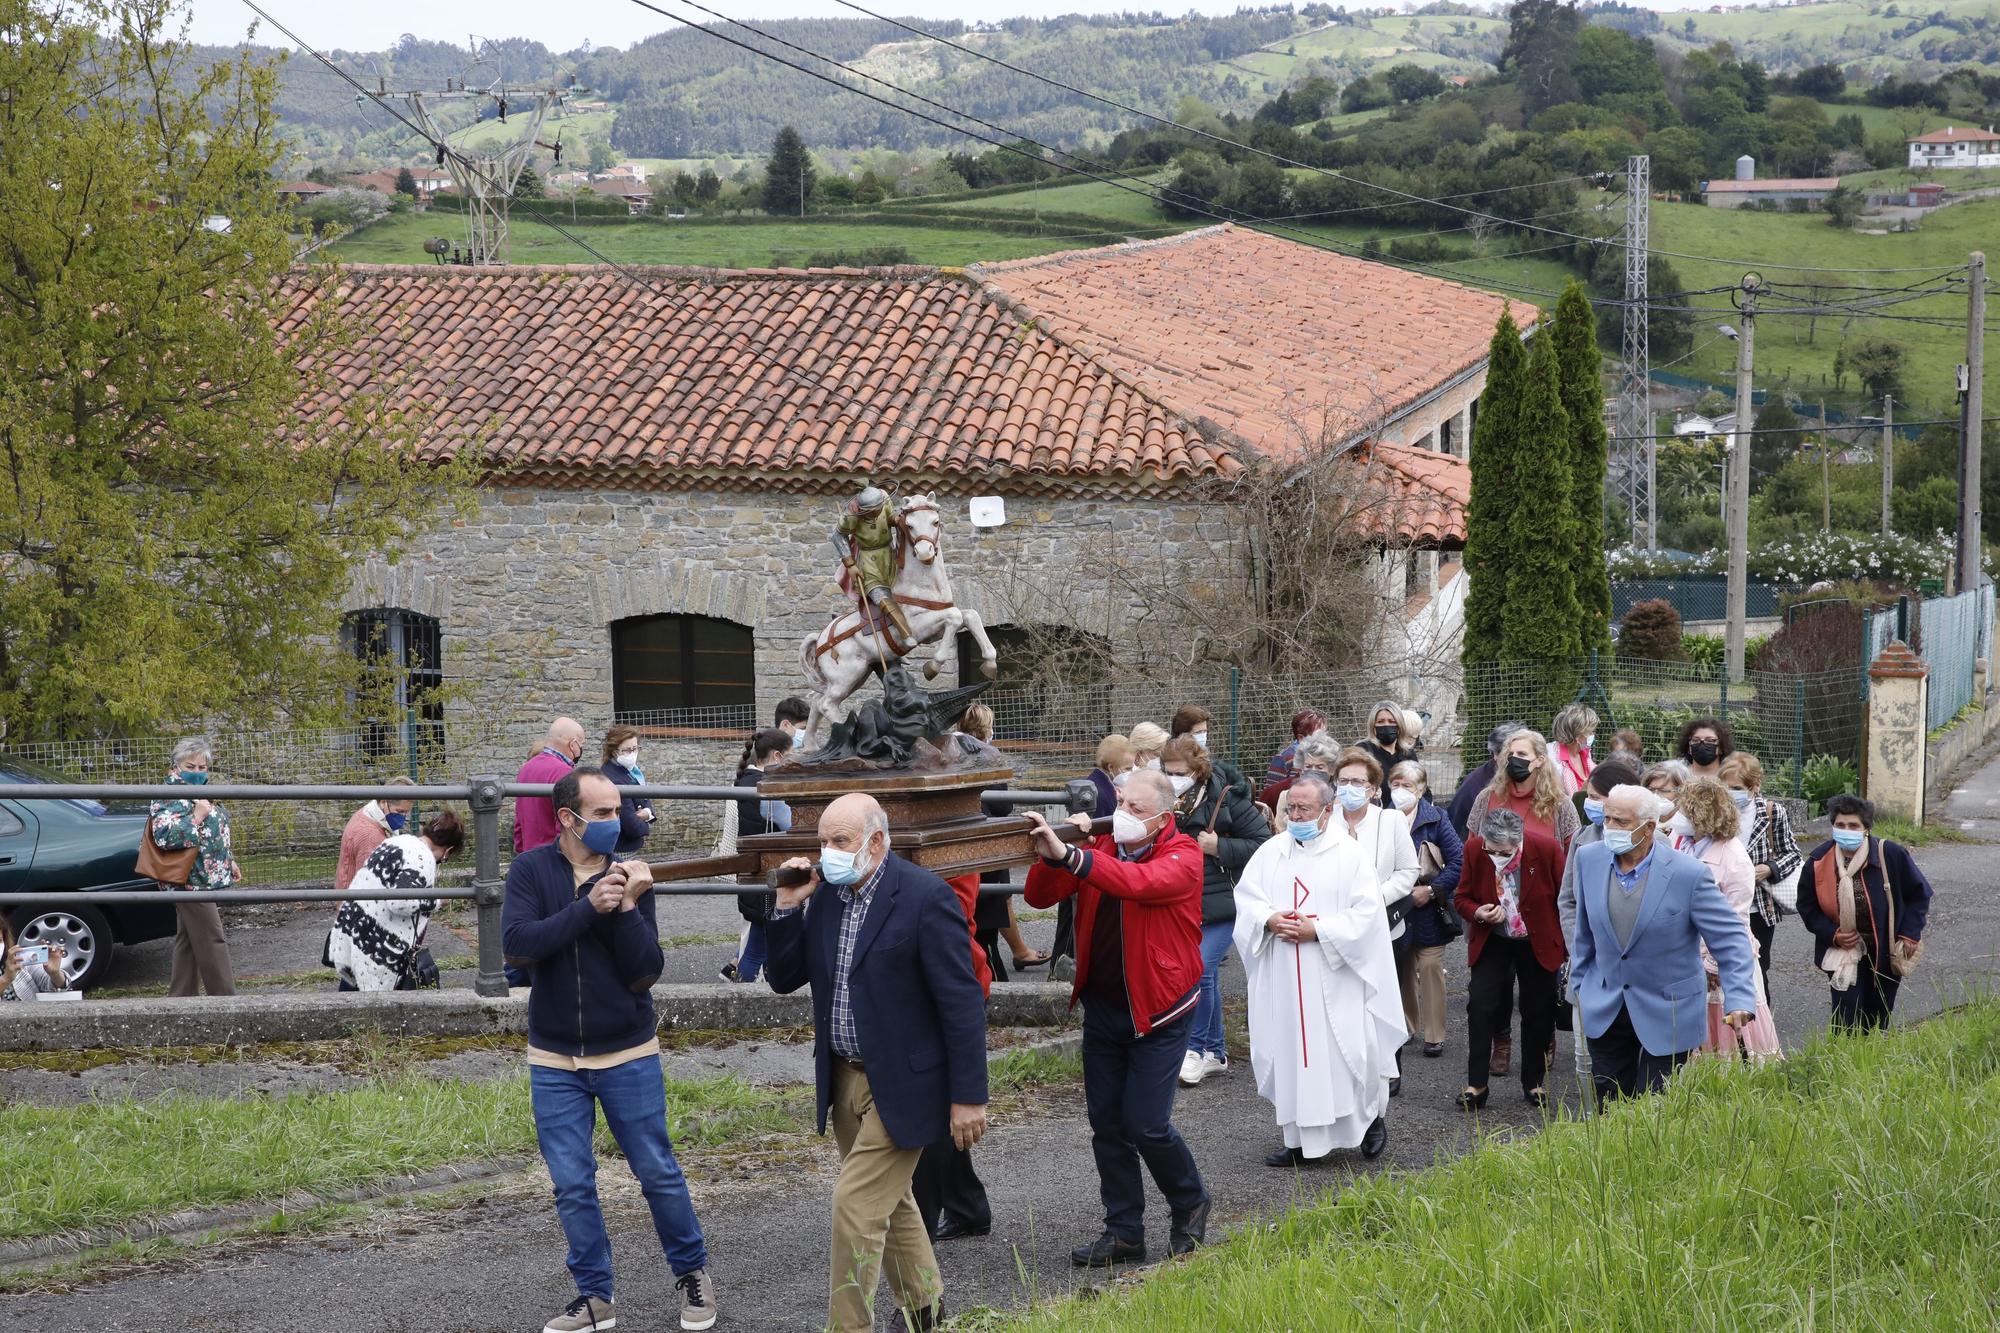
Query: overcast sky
x=365, y=25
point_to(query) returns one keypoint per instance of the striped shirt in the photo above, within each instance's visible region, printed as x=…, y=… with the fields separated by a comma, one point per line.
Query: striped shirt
x=845, y=1037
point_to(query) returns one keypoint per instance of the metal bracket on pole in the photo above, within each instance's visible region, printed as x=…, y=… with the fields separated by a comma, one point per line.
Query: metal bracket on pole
x=489, y=890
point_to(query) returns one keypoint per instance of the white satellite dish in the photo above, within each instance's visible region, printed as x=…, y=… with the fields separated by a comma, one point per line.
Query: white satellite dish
x=988, y=511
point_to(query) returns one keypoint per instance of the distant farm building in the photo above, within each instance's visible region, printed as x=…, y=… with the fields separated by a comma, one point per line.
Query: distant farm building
x=1953, y=147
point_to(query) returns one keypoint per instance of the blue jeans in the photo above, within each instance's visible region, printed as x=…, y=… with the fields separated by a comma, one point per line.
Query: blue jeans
x=635, y=1107
x=750, y=961
x=1206, y=1035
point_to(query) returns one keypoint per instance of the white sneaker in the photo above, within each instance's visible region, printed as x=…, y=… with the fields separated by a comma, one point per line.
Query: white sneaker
x=1214, y=1064
x=1194, y=1068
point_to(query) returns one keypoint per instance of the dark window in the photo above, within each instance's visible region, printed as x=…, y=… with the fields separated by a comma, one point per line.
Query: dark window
x=400, y=701
x=690, y=670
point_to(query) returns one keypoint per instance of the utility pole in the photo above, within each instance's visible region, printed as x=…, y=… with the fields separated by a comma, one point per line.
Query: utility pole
x=1739, y=482
x=1973, y=413
x=1888, y=455
x=1825, y=473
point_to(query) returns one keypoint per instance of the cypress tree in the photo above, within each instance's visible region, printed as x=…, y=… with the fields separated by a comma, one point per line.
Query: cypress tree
x=1577, y=364
x=788, y=175
x=1494, y=502
x=1540, y=620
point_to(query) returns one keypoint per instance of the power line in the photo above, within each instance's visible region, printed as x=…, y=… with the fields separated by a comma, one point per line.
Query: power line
x=1279, y=157
x=1791, y=430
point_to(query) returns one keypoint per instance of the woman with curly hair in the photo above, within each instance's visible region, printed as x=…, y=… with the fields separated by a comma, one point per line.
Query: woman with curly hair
x=1703, y=744
x=1713, y=824
x=1528, y=782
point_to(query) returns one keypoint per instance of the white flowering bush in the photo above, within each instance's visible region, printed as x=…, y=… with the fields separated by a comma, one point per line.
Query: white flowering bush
x=1802, y=561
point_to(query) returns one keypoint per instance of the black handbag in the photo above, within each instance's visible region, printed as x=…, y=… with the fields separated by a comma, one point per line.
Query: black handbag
x=420, y=972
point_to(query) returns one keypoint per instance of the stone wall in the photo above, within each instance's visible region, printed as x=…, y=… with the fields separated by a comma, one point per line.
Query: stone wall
x=526, y=587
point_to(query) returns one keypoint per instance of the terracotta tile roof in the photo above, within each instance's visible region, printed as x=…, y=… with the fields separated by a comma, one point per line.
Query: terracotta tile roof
x=1953, y=134
x=1433, y=491
x=1285, y=346
x=584, y=376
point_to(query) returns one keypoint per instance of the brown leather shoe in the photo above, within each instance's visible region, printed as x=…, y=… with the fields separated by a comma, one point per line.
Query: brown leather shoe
x=1503, y=1053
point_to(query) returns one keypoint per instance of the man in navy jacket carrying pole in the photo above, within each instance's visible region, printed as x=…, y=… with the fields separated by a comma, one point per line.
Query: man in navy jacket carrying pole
x=899, y=1047
x=582, y=926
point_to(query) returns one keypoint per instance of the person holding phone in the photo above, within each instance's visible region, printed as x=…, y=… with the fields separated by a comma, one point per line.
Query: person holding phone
x=580, y=923
x=30, y=971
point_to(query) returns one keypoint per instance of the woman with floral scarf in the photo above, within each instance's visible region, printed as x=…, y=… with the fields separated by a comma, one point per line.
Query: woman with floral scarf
x=201, y=950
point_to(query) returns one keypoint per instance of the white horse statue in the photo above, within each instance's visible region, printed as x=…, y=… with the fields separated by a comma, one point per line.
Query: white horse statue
x=840, y=657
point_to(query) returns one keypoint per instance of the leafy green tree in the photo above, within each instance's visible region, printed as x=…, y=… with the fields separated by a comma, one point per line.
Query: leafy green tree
x=1497, y=492
x=175, y=534
x=1257, y=191
x=600, y=157
x=1769, y=452
x=1878, y=364
x=406, y=183
x=1843, y=206
x=1578, y=364
x=1608, y=62
x=868, y=190
x=1542, y=621
x=788, y=175
x=707, y=187
x=1679, y=156
x=1541, y=52
x=1365, y=94
x=1412, y=83
x=1824, y=82
x=528, y=186
x=683, y=189
x=1199, y=182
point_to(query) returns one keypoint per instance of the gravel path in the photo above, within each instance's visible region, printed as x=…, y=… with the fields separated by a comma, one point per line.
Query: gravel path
x=494, y=1261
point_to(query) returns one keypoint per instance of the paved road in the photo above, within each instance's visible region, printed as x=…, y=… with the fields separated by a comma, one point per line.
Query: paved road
x=495, y=1262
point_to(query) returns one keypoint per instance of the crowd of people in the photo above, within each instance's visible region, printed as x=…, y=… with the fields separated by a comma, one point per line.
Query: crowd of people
x=1634, y=904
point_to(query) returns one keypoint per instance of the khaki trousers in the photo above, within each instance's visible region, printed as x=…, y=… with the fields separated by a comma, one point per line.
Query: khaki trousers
x=874, y=1213
x=1421, y=973
x=201, y=952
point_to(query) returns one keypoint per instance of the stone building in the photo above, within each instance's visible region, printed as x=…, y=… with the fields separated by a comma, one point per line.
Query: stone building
x=672, y=449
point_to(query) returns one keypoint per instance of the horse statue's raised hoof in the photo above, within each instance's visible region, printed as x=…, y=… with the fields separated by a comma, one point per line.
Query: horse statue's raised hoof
x=930, y=671
x=990, y=670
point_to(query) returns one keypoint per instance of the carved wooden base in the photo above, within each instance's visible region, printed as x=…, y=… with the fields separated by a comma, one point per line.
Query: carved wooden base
x=936, y=820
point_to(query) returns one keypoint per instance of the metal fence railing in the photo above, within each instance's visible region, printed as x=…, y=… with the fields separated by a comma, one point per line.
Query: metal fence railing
x=1697, y=596
x=1952, y=635
x=484, y=796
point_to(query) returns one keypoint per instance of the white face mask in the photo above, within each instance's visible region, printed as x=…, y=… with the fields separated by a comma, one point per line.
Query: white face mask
x=1500, y=863
x=1681, y=825
x=629, y=758
x=1127, y=828
x=1182, y=783
x=1403, y=797
x=1200, y=738
x=1153, y=764
x=1586, y=742
x=1120, y=779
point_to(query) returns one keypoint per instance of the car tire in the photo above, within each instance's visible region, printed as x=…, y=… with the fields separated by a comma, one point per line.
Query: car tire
x=83, y=931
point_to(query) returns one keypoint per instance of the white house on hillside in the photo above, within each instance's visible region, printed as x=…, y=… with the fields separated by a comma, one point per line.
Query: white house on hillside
x=1953, y=147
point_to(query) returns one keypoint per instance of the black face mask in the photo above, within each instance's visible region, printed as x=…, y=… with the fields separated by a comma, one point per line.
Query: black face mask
x=1519, y=768
x=1387, y=737
x=1704, y=752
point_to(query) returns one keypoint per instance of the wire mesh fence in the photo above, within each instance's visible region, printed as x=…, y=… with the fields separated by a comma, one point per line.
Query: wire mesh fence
x=1951, y=634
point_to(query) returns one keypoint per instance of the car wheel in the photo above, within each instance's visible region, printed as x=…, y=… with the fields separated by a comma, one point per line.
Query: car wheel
x=82, y=931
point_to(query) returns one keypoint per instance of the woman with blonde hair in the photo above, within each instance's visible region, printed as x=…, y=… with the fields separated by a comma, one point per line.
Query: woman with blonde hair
x=1713, y=824
x=1774, y=853
x=1148, y=739
x=1575, y=733
x=1666, y=780
x=1530, y=784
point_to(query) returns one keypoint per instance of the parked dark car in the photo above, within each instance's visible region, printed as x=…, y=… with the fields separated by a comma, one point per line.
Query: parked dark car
x=71, y=849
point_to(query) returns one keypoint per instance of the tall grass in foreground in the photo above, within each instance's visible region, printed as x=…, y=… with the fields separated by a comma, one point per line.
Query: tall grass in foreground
x=1855, y=1186
x=101, y=1163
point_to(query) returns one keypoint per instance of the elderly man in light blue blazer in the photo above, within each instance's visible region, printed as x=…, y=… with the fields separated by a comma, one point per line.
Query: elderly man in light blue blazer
x=1643, y=911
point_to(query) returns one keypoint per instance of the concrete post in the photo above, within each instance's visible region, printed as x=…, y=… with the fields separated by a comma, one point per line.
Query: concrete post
x=1898, y=694
x=489, y=890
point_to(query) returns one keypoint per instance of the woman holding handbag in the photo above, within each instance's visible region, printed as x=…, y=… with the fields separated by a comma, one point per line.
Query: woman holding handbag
x=1433, y=922
x=1865, y=902
x=187, y=847
x=379, y=945
x=1775, y=859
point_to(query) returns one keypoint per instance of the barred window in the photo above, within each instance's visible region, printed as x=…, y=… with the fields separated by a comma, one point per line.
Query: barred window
x=681, y=665
x=400, y=704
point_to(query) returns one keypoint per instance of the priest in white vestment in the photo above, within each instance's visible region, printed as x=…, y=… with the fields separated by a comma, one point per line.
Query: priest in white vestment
x=1326, y=1014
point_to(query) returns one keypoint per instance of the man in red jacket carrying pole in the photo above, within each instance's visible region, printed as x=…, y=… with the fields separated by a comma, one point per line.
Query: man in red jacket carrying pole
x=1138, y=973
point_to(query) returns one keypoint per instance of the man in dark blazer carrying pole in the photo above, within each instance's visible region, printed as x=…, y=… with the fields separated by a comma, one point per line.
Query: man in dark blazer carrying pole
x=899, y=1046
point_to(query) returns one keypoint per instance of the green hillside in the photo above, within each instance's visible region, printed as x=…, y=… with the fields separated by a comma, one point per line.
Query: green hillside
x=1448, y=44
x=1877, y=37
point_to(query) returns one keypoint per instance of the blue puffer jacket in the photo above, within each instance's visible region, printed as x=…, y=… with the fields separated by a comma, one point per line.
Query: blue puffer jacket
x=1436, y=924
x=592, y=972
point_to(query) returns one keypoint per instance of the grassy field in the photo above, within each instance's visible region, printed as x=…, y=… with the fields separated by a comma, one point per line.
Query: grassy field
x=1785, y=357
x=1846, y=32
x=1854, y=1179
x=399, y=240
x=1113, y=203
x=105, y=1162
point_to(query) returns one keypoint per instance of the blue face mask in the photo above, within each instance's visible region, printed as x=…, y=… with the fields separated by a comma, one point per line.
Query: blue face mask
x=1741, y=797
x=1849, y=839
x=1619, y=840
x=799, y=739
x=1305, y=830
x=838, y=867
x=395, y=822
x=600, y=835
x=196, y=779
x=1593, y=810
x=1350, y=796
